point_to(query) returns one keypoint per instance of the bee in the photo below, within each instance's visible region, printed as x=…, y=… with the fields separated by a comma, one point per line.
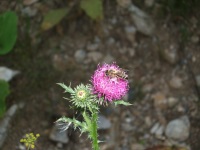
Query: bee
x=117, y=73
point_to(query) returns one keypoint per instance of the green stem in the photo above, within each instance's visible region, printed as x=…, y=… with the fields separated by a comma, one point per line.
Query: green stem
x=94, y=134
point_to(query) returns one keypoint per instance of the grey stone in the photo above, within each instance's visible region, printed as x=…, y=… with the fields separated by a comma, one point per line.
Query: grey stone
x=92, y=47
x=95, y=56
x=198, y=80
x=103, y=123
x=80, y=55
x=4, y=124
x=176, y=82
x=7, y=74
x=143, y=22
x=58, y=135
x=29, y=11
x=108, y=59
x=178, y=129
x=149, y=3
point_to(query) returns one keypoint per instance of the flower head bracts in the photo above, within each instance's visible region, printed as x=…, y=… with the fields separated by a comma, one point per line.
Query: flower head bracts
x=83, y=97
x=111, y=88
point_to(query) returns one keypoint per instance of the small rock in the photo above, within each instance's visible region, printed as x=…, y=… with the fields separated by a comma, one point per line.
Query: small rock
x=149, y=3
x=195, y=39
x=131, y=52
x=130, y=29
x=176, y=82
x=29, y=2
x=178, y=129
x=136, y=146
x=160, y=100
x=80, y=55
x=7, y=74
x=198, y=80
x=4, y=124
x=154, y=128
x=95, y=56
x=148, y=121
x=103, y=123
x=92, y=47
x=58, y=135
x=170, y=55
x=172, y=101
x=111, y=41
x=147, y=88
x=29, y=11
x=143, y=22
x=124, y=3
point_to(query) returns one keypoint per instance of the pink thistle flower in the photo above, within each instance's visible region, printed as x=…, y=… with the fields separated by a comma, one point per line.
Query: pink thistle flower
x=111, y=87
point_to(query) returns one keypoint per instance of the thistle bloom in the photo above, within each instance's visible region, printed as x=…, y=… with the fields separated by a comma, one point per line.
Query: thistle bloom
x=111, y=88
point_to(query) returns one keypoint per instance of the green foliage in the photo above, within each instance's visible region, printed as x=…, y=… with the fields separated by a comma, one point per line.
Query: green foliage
x=121, y=102
x=4, y=91
x=67, y=89
x=180, y=7
x=8, y=31
x=93, y=8
x=53, y=17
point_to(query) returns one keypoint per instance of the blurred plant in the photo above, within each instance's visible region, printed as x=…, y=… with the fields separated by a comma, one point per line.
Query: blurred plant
x=179, y=7
x=8, y=31
x=93, y=8
x=30, y=140
x=4, y=92
x=109, y=85
x=8, y=36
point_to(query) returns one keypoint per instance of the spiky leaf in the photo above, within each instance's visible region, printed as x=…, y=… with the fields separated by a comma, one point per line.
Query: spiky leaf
x=67, y=89
x=121, y=102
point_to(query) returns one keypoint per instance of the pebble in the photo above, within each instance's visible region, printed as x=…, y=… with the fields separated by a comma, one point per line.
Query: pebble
x=171, y=101
x=149, y=3
x=176, y=82
x=80, y=55
x=124, y=3
x=7, y=74
x=170, y=55
x=136, y=146
x=29, y=2
x=4, y=124
x=178, y=129
x=103, y=123
x=95, y=56
x=108, y=59
x=29, y=11
x=58, y=135
x=195, y=39
x=142, y=21
x=198, y=80
x=92, y=47
x=160, y=100
x=110, y=41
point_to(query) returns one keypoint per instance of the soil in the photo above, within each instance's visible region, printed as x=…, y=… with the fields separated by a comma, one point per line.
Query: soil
x=40, y=57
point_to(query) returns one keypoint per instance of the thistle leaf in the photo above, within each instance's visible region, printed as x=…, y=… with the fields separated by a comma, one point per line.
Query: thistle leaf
x=121, y=102
x=67, y=89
